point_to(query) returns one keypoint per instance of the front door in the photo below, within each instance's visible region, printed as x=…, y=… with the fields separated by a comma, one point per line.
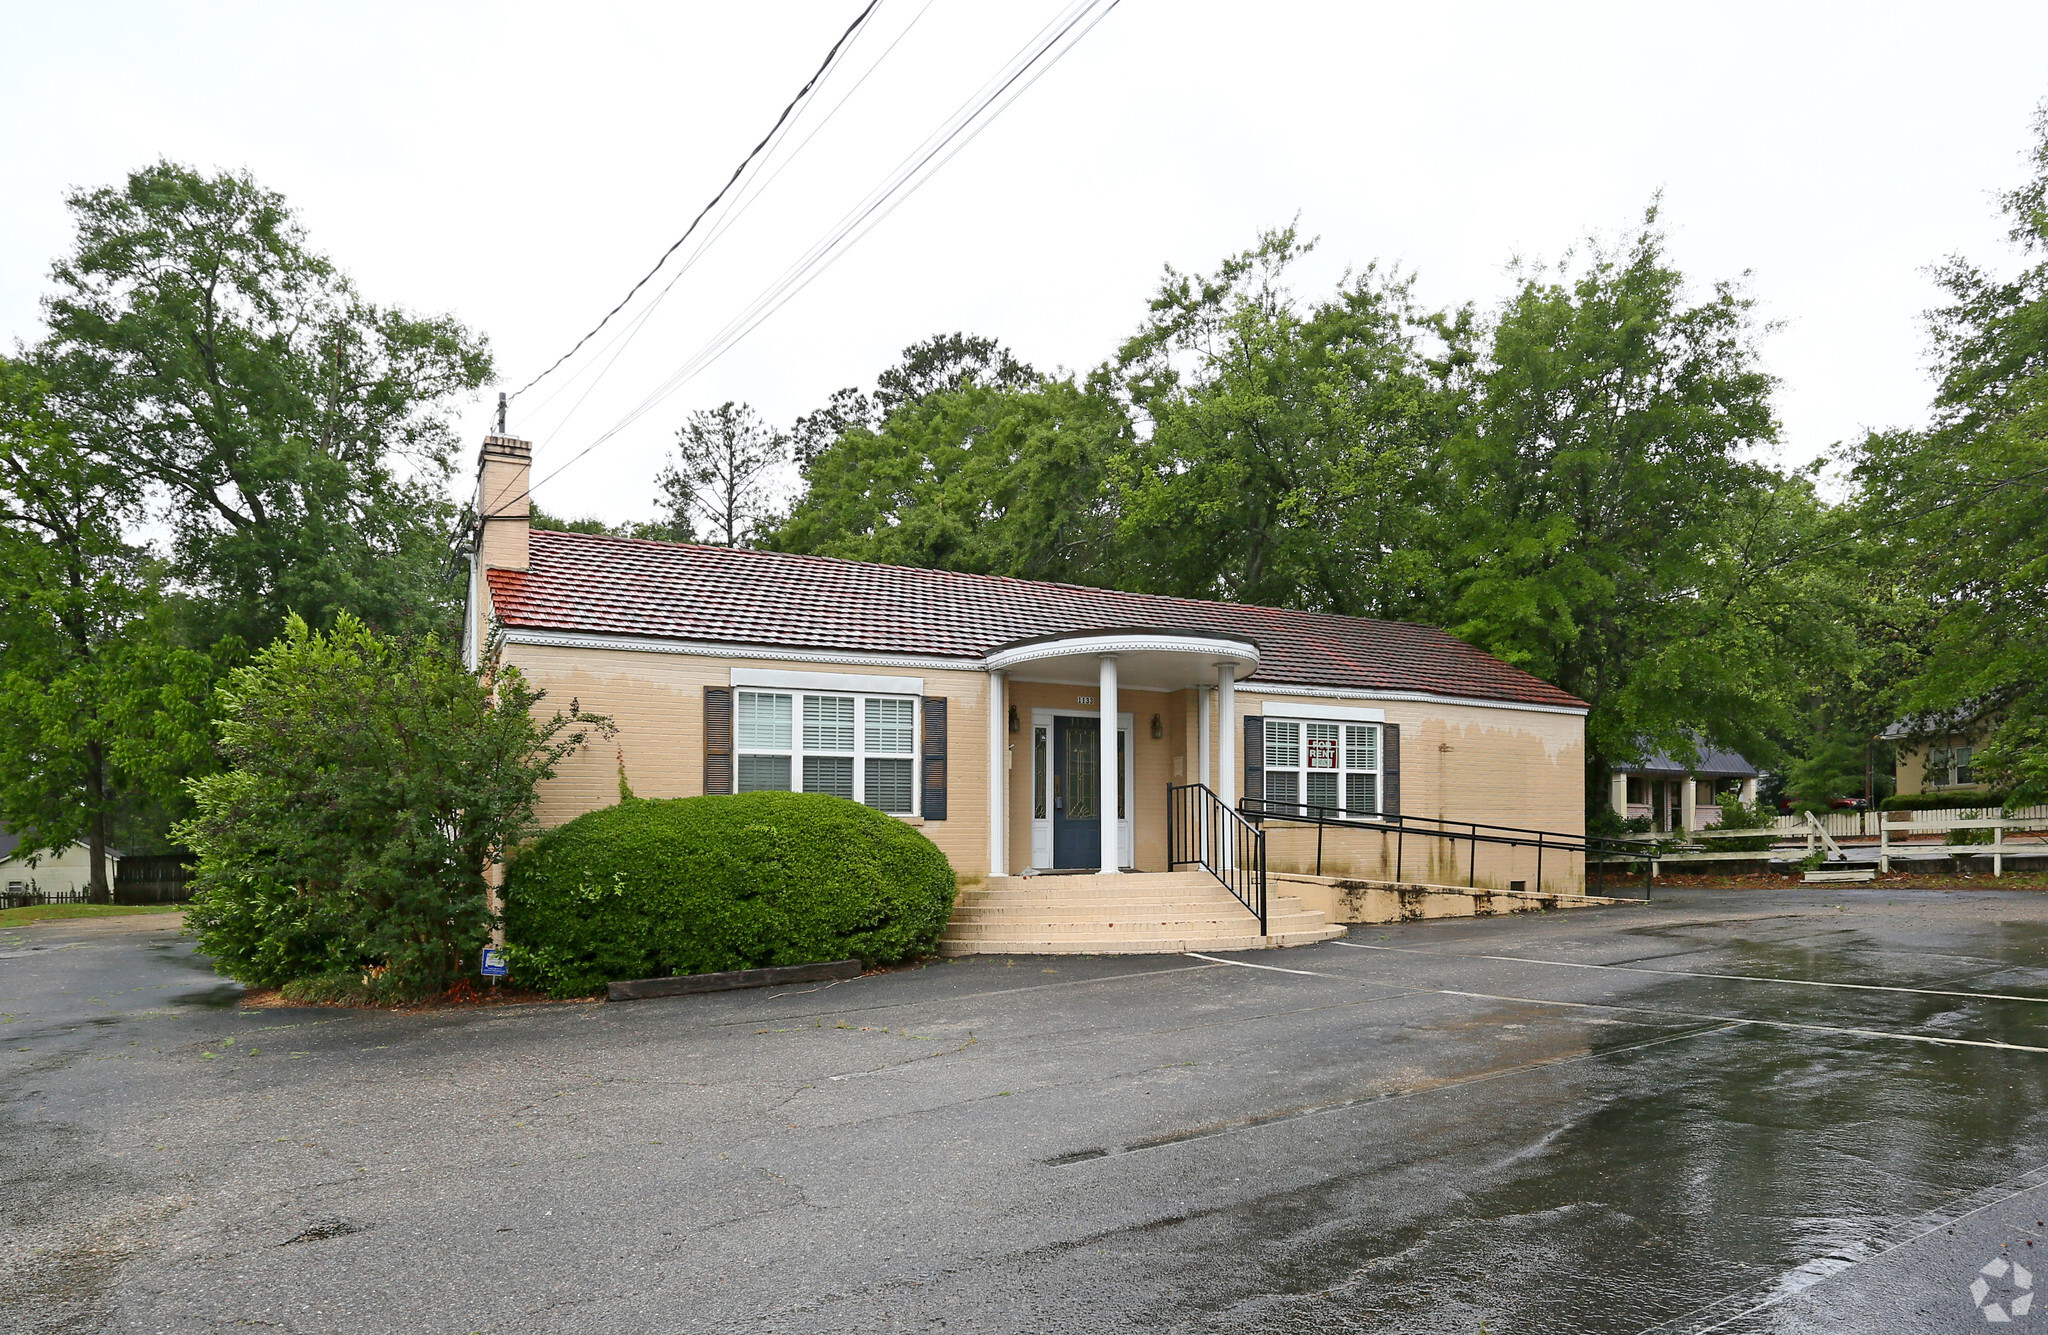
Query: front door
x=1076, y=792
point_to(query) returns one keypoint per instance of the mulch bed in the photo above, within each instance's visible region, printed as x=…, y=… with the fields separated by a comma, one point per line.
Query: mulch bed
x=463, y=996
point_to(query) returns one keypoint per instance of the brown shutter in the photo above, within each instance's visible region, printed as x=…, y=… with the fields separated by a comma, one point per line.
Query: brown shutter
x=933, y=805
x=1254, y=761
x=717, y=739
x=1390, y=769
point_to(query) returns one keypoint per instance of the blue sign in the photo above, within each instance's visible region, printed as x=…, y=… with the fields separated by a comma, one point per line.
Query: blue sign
x=494, y=962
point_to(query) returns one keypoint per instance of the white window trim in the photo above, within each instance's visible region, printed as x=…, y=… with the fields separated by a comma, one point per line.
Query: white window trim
x=1321, y=713
x=859, y=754
x=828, y=683
x=1342, y=771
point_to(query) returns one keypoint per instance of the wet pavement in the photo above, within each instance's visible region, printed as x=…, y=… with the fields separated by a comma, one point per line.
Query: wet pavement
x=1815, y=1110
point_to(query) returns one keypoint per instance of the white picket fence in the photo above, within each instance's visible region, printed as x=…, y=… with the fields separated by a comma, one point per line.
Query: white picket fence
x=1864, y=824
x=2019, y=833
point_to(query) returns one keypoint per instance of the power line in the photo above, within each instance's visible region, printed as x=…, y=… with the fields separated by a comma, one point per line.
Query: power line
x=801, y=94
x=898, y=186
x=750, y=195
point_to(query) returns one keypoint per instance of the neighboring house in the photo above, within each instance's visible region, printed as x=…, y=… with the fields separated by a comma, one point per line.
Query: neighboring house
x=1679, y=797
x=1936, y=754
x=63, y=874
x=975, y=706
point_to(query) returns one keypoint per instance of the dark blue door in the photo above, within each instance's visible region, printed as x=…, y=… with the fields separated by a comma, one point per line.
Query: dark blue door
x=1076, y=792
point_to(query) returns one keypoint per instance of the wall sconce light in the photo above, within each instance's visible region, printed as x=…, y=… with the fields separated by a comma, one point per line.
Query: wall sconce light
x=1015, y=726
x=1158, y=728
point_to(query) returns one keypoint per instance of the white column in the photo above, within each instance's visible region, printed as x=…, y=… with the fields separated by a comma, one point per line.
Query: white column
x=1202, y=774
x=1689, y=804
x=1749, y=792
x=1226, y=733
x=1106, y=696
x=998, y=767
x=1617, y=794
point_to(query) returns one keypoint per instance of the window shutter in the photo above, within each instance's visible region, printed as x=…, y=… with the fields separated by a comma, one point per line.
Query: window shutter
x=1254, y=759
x=933, y=805
x=717, y=739
x=1390, y=769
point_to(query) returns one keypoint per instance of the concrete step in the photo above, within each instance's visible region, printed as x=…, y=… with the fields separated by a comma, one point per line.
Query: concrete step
x=1137, y=945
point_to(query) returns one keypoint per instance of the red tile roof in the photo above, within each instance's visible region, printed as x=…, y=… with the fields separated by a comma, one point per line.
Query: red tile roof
x=621, y=586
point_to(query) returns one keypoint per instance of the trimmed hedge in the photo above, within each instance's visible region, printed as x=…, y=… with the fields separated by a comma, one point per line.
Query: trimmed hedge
x=1942, y=801
x=646, y=889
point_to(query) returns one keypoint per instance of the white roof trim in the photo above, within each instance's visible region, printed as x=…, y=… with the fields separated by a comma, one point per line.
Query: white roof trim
x=1334, y=713
x=1419, y=697
x=1215, y=648
x=859, y=683
x=649, y=644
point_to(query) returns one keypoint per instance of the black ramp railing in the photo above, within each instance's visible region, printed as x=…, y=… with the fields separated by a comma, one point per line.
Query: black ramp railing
x=1591, y=851
x=1202, y=831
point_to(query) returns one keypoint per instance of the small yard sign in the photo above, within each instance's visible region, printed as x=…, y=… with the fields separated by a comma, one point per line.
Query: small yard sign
x=494, y=962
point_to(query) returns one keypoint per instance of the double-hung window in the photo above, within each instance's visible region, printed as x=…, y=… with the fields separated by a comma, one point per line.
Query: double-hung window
x=859, y=747
x=1330, y=769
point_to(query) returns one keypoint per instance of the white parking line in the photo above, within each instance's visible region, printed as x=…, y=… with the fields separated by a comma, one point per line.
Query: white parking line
x=1686, y=973
x=1739, y=1019
x=1270, y=968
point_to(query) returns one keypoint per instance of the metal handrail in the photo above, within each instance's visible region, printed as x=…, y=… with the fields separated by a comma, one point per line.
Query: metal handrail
x=1469, y=832
x=1203, y=831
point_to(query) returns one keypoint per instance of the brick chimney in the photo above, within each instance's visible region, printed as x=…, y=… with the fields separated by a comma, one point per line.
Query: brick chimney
x=504, y=468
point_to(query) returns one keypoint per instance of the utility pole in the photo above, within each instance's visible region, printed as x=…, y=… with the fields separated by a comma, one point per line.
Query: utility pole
x=501, y=414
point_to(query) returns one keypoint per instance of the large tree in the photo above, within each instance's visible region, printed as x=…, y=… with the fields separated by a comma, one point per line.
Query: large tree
x=1965, y=503
x=1290, y=456
x=996, y=481
x=1612, y=514
x=724, y=471
x=301, y=434
x=99, y=710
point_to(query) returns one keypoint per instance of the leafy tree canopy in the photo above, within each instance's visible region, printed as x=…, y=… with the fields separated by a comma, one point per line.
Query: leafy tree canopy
x=300, y=433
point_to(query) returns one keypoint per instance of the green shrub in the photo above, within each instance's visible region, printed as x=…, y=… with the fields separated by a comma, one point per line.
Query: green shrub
x=367, y=783
x=646, y=889
x=1755, y=816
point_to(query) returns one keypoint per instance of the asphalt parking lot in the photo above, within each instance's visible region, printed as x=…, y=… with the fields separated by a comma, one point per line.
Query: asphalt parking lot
x=1750, y=1111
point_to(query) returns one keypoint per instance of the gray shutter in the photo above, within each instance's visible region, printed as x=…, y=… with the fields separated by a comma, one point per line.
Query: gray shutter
x=933, y=803
x=1254, y=761
x=717, y=739
x=1390, y=769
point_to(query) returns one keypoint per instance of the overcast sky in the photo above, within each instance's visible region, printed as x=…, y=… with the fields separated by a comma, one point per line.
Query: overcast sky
x=520, y=166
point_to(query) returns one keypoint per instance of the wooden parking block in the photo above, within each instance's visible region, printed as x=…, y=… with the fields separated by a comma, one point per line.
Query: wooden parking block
x=683, y=985
x=1838, y=877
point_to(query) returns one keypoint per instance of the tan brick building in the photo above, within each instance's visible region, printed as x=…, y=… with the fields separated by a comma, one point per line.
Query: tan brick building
x=975, y=707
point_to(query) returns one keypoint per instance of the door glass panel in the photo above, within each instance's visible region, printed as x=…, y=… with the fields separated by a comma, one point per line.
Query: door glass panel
x=1120, y=784
x=1038, y=774
x=1084, y=776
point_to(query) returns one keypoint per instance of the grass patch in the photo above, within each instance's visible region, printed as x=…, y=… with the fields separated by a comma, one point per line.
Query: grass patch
x=38, y=912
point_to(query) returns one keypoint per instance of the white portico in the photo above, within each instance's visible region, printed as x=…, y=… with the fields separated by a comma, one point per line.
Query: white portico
x=1079, y=784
